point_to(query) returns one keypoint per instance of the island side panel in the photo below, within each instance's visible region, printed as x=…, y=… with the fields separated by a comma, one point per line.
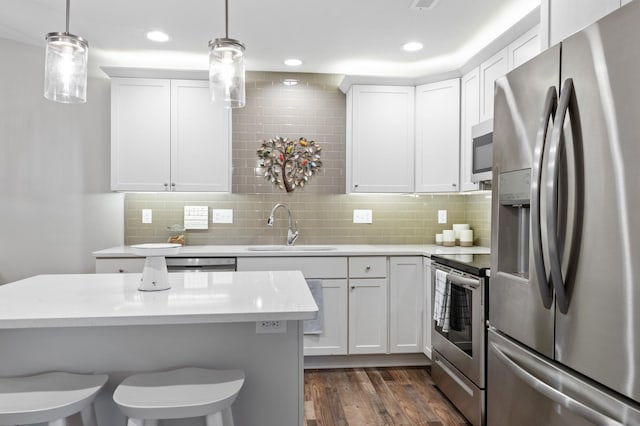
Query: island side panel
x=273, y=363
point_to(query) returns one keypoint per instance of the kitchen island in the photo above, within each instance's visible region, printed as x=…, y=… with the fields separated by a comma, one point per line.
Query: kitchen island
x=101, y=323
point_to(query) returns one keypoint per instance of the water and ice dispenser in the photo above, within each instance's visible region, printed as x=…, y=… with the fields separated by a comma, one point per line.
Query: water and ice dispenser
x=513, y=218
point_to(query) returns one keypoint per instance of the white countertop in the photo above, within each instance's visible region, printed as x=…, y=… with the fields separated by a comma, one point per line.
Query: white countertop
x=305, y=250
x=194, y=297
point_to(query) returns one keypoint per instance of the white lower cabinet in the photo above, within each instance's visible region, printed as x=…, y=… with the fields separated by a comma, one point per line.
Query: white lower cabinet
x=405, y=304
x=333, y=273
x=333, y=339
x=368, y=319
x=428, y=310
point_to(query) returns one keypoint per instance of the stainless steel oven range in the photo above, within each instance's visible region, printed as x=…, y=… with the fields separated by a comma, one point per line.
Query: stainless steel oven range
x=460, y=289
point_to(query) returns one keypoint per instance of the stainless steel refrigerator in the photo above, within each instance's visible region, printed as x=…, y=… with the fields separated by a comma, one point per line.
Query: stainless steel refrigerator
x=564, y=299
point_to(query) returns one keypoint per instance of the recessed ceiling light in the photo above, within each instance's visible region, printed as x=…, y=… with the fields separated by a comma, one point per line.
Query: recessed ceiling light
x=293, y=62
x=158, y=36
x=412, y=46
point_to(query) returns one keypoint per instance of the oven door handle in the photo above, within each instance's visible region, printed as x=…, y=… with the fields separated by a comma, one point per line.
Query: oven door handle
x=470, y=283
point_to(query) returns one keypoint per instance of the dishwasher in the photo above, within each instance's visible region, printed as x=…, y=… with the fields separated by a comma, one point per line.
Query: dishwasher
x=204, y=264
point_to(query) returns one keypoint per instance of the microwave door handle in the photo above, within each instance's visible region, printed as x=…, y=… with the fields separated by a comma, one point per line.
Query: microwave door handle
x=470, y=283
x=548, y=114
x=564, y=104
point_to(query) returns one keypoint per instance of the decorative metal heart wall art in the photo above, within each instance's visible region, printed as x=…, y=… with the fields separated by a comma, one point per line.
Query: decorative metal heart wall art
x=289, y=163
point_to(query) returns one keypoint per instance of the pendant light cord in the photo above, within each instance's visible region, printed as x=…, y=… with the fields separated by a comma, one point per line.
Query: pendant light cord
x=226, y=18
x=68, y=7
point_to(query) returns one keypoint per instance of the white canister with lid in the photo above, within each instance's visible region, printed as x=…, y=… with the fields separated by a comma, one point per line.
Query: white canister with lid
x=466, y=238
x=457, y=228
x=448, y=238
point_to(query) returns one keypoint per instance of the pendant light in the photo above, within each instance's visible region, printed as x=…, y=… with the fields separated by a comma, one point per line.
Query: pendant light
x=65, y=67
x=226, y=68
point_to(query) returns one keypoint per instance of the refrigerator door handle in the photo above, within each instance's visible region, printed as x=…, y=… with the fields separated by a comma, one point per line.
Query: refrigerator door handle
x=562, y=294
x=550, y=392
x=548, y=114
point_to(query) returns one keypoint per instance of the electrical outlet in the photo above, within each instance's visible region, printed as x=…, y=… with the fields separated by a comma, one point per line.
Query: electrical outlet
x=442, y=216
x=147, y=216
x=362, y=216
x=222, y=216
x=271, y=327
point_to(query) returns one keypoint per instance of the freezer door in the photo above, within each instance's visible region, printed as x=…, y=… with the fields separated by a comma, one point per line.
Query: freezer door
x=598, y=279
x=526, y=389
x=520, y=297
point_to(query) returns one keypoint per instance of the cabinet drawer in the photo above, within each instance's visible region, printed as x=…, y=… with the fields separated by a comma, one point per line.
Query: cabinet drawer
x=121, y=265
x=368, y=267
x=311, y=267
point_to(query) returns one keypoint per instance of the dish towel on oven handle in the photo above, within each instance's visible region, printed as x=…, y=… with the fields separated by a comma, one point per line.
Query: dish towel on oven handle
x=460, y=308
x=442, y=301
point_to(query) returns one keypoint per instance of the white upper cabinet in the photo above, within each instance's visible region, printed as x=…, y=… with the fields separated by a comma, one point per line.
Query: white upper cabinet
x=200, y=139
x=140, y=134
x=469, y=116
x=380, y=139
x=438, y=136
x=490, y=70
x=524, y=47
x=565, y=17
x=167, y=136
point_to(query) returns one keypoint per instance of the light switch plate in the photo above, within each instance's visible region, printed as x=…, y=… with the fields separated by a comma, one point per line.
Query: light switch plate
x=442, y=216
x=222, y=216
x=147, y=216
x=196, y=217
x=362, y=216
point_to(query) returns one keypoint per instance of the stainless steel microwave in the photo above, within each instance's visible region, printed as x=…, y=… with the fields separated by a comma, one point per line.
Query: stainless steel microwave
x=482, y=151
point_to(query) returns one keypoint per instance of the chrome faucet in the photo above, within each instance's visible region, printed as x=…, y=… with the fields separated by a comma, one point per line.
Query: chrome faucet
x=292, y=234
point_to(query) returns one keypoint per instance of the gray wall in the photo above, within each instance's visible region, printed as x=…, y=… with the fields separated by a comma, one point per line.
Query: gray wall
x=55, y=203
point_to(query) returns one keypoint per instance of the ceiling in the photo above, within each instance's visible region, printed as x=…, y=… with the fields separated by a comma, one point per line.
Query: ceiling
x=353, y=37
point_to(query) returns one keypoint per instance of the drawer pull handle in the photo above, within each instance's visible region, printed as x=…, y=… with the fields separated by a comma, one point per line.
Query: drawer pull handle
x=367, y=268
x=121, y=270
x=353, y=287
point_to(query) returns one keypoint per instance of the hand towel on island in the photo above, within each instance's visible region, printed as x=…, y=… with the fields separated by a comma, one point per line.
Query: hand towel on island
x=315, y=326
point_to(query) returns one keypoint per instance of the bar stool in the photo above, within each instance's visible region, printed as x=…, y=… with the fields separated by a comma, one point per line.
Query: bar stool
x=185, y=392
x=49, y=397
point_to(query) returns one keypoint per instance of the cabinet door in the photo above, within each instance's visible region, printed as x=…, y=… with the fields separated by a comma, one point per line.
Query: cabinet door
x=490, y=70
x=469, y=117
x=569, y=16
x=405, y=304
x=428, y=310
x=200, y=139
x=524, y=47
x=438, y=136
x=380, y=139
x=368, y=316
x=333, y=339
x=140, y=134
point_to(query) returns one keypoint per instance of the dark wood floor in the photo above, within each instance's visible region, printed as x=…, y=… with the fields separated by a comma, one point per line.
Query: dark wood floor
x=376, y=396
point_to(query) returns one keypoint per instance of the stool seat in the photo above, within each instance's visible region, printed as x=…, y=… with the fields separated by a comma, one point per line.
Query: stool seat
x=180, y=393
x=46, y=397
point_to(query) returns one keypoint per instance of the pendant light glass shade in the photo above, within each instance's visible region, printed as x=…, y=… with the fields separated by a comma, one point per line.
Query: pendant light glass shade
x=65, y=72
x=226, y=72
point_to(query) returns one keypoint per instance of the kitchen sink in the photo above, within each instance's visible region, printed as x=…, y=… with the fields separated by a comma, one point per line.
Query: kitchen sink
x=290, y=248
